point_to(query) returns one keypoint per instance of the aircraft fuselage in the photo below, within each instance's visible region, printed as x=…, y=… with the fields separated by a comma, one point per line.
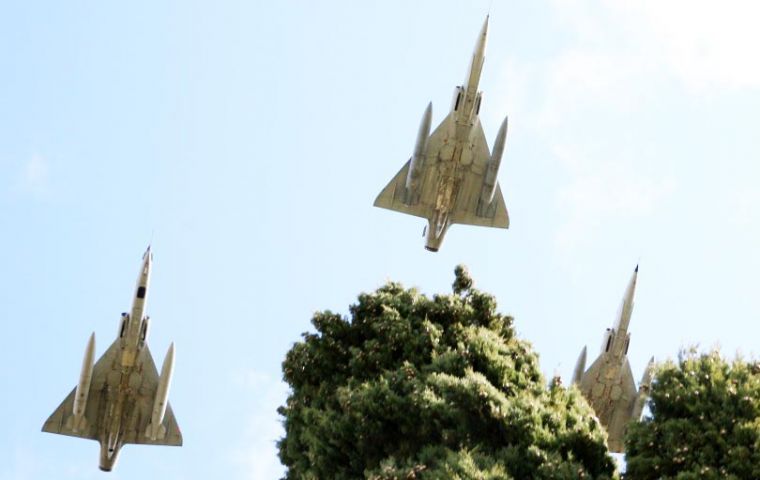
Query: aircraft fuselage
x=125, y=376
x=456, y=152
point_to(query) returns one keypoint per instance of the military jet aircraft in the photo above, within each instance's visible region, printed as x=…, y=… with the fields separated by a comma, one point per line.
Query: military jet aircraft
x=121, y=398
x=451, y=177
x=608, y=383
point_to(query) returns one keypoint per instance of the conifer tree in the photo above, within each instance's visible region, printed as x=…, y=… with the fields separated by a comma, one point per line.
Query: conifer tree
x=704, y=422
x=412, y=387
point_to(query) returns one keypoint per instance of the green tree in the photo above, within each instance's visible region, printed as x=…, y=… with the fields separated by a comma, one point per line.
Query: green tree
x=430, y=388
x=704, y=422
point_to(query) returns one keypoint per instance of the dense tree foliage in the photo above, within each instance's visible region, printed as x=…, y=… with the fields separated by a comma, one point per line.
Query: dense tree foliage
x=704, y=422
x=413, y=387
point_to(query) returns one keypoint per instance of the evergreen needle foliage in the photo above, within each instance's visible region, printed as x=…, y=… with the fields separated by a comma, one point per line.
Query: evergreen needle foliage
x=704, y=422
x=418, y=388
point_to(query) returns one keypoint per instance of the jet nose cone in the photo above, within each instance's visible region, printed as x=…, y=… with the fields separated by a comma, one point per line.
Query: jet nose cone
x=480, y=46
x=148, y=258
x=146, y=264
x=484, y=29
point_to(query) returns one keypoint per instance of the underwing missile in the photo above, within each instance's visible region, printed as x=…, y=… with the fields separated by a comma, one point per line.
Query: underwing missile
x=156, y=429
x=77, y=421
x=418, y=156
x=580, y=367
x=645, y=386
x=489, y=182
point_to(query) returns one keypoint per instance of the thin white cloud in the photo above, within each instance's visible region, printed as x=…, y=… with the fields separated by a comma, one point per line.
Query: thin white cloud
x=607, y=176
x=603, y=190
x=21, y=465
x=579, y=81
x=624, y=52
x=258, y=457
x=34, y=177
x=621, y=55
x=706, y=44
x=742, y=207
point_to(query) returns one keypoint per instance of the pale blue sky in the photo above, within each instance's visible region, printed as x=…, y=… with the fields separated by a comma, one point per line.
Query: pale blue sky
x=248, y=140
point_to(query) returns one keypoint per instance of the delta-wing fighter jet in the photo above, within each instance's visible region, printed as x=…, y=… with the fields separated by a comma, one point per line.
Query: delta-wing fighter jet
x=121, y=398
x=608, y=383
x=451, y=177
